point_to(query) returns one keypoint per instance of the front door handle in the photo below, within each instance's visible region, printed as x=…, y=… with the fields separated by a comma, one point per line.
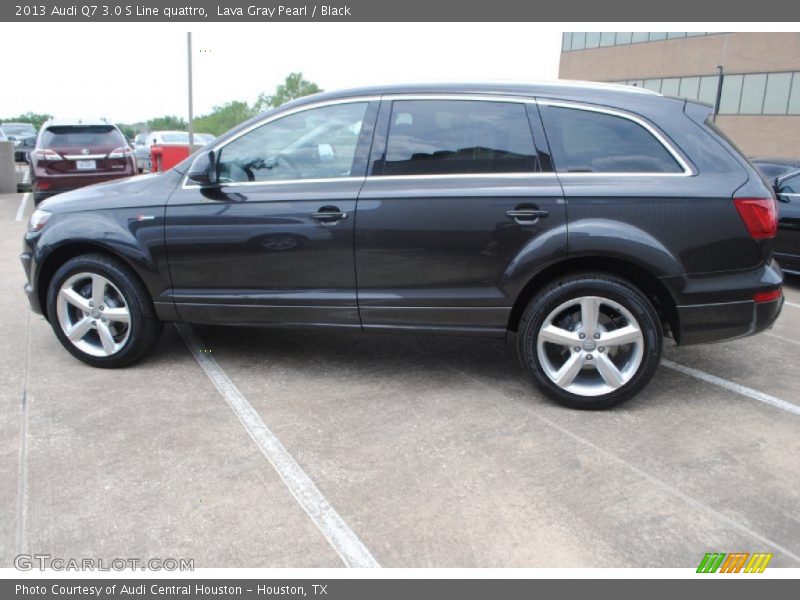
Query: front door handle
x=329, y=214
x=525, y=215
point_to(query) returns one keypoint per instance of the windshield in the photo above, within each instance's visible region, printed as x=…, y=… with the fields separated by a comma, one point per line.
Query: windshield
x=178, y=137
x=18, y=129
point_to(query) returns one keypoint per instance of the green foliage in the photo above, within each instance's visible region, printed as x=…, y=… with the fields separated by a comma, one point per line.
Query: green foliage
x=35, y=119
x=294, y=87
x=167, y=123
x=129, y=131
x=222, y=118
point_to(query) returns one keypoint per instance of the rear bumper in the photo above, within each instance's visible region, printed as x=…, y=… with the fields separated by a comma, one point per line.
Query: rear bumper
x=57, y=184
x=707, y=323
x=721, y=307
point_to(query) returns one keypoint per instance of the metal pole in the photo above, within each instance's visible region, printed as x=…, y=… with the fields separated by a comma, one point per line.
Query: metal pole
x=191, y=109
x=719, y=92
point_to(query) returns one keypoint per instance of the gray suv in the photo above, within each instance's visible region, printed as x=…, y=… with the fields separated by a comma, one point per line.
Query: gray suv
x=588, y=221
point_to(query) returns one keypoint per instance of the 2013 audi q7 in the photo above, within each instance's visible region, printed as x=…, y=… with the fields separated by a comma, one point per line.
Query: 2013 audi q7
x=590, y=220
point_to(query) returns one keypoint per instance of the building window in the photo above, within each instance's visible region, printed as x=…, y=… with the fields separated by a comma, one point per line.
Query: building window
x=753, y=87
x=581, y=40
x=578, y=40
x=731, y=95
x=776, y=99
x=794, y=95
x=622, y=38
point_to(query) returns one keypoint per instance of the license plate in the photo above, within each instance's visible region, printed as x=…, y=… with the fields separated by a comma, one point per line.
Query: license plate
x=86, y=165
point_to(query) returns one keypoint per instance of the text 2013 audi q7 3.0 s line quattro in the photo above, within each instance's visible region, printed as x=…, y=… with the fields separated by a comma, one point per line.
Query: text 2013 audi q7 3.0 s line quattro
x=590, y=220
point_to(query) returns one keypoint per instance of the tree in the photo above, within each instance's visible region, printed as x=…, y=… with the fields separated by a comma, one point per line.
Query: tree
x=295, y=86
x=33, y=118
x=167, y=123
x=129, y=131
x=222, y=118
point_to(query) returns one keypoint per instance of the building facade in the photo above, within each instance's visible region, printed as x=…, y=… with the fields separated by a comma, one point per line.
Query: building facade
x=759, y=105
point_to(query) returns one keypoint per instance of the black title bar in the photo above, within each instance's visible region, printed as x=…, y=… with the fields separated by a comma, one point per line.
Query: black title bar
x=398, y=10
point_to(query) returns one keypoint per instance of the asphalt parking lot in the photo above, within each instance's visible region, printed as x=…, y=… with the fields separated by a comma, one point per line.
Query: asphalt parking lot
x=420, y=451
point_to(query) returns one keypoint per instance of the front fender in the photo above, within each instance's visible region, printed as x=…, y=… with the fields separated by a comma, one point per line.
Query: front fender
x=135, y=235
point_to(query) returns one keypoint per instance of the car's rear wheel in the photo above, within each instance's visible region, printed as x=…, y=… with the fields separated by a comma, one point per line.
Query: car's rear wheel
x=101, y=312
x=590, y=341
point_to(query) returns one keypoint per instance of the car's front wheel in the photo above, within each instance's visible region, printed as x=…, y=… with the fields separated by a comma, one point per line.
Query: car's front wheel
x=590, y=341
x=101, y=312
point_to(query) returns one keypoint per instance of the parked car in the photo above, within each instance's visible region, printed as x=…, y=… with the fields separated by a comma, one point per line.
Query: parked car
x=141, y=151
x=164, y=138
x=70, y=154
x=771, y=168
x=787, y=244
x=589, y=220
x=16, y=132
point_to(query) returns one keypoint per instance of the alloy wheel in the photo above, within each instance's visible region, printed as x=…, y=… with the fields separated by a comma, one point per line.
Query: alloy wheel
x=590, y=346
x=93, y=314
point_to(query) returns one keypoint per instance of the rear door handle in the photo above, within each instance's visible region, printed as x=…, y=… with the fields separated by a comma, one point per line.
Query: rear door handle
x=526, y=215
x=329, y=214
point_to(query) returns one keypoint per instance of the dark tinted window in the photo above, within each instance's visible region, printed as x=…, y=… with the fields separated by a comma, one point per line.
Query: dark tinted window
x=431, y=137
x=82, y=135
x=791, y=185
x=585, y=141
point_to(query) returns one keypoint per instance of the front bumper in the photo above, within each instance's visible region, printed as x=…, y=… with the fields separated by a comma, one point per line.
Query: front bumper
x=33, y=298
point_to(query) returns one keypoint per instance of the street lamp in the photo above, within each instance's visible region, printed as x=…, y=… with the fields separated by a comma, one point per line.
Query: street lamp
x=191, y=109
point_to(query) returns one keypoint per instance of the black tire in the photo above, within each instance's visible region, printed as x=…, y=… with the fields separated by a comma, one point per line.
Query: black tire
x=581, y=285
x=40, y=197
x=144, y=329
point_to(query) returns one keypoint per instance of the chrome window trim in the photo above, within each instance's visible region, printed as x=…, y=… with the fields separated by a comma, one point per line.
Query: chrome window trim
x=270, y=119
x=687, y=170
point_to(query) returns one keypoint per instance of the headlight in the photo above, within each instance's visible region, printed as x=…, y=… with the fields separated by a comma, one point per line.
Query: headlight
x=38, y=220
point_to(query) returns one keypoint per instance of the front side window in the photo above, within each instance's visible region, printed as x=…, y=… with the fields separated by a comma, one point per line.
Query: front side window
x=585, y=141
x=315, y=143
x=436, y=137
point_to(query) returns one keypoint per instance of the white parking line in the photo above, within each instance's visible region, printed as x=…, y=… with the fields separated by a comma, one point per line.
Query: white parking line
x=733, y=387
x=346, y=543
x=792, y=304
x=780, y=337
x=26, y=177
x=686, y=498
x=23, y=202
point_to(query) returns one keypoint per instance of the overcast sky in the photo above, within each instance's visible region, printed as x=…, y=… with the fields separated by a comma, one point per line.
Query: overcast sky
x=132, y=72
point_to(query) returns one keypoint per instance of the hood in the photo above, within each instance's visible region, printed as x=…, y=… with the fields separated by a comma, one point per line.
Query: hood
x=141, y=190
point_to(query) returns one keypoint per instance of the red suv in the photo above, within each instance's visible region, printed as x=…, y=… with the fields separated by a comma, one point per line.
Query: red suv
x=70, y=154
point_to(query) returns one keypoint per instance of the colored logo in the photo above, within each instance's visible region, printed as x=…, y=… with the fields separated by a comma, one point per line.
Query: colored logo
x=737, y=562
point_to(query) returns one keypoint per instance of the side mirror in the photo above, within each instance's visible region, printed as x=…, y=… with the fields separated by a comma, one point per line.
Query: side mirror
x=203, y=171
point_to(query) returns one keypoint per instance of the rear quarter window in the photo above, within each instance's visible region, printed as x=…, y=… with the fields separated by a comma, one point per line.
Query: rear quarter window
x=586, y=141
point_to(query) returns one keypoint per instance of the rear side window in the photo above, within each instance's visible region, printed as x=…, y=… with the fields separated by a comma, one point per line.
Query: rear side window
x=436, y=137
x=82, y=135
x=585, y=141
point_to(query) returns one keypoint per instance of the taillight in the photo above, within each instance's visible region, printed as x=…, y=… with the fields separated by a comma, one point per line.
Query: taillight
x=46, y=154
x=767, y=296
x=760, y=216
x=120, y=153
